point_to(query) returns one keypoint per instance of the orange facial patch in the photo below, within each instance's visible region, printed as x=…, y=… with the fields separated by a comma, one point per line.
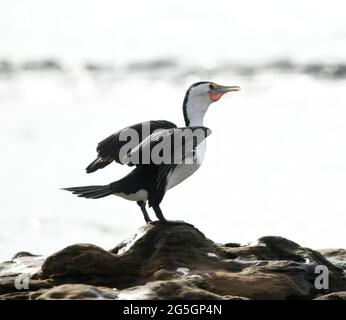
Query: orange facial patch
x=215, y=96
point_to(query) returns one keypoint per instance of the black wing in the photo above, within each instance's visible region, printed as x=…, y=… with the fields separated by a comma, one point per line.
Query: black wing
x=167, y=146
x=180, y=151
x=109, y=149
x=181, y=142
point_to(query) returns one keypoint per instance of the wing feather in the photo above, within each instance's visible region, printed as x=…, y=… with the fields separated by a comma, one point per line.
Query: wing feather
x=109, y=149
x=179, y=151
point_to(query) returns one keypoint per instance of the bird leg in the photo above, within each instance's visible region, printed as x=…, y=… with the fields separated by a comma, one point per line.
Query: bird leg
x=144, y=211
x=159, y=214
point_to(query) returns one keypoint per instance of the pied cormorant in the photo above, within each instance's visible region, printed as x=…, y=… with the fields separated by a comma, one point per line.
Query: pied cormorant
x=148, y=182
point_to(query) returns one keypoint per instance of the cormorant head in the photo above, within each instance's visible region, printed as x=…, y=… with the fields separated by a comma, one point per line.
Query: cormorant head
x=198, y=98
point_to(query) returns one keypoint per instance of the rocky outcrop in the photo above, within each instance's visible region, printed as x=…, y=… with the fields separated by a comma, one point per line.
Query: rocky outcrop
x=333, y=296
x=176, y=261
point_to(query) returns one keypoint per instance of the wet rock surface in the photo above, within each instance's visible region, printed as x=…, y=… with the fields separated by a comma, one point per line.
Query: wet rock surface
x=333, y=296
x=176, y=261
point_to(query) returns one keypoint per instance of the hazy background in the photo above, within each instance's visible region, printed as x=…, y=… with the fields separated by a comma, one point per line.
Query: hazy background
x=73, y=72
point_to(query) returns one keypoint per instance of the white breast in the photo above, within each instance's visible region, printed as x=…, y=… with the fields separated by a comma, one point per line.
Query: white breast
x=180, y=173
x=183, y=171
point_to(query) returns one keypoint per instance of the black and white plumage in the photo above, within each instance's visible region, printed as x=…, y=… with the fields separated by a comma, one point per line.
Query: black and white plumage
x=148, y=183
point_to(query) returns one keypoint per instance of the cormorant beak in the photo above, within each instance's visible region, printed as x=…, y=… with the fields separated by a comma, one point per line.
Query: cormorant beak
x=225, y=89
x=217, y=92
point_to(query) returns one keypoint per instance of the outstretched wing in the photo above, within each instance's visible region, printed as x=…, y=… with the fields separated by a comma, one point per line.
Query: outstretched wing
x=109, y=149
x=185, y=148
x=167, y=146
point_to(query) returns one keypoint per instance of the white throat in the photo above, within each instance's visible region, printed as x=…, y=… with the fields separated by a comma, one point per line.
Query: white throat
x=195, y=109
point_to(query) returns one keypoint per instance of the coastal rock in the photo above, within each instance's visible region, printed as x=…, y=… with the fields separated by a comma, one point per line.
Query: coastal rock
x=175, y=261
x=333, y=296
x=335, y=256
x=74, y=292
x=184, y=289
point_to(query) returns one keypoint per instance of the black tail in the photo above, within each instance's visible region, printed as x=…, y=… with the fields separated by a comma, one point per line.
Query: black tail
x=91, y=192
x=98, y=163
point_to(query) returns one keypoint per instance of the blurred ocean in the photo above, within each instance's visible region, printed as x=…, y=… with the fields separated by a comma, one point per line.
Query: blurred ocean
x=71, y=73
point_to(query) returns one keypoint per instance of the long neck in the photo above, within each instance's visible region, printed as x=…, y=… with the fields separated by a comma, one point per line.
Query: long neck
x=194, y=110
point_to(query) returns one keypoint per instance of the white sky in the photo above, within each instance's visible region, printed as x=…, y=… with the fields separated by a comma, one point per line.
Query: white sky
x=203, y=30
